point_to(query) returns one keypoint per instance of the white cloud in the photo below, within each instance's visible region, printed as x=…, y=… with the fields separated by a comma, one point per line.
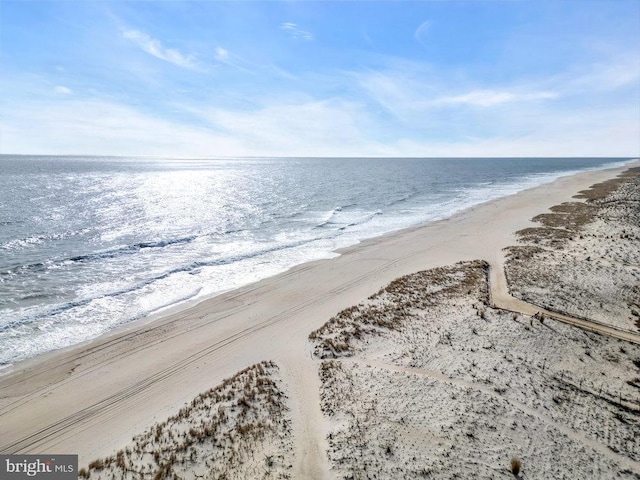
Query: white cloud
x=305, y=127
x=620, y=71
x=62, y=90
x=421, y=32
x=98, y=127
x=222, y=55
x=400, y=92
x=155, y=48
x=614, y=134
x=294, y=32
x=415, y=94
x=490, y=98
x=404, y=110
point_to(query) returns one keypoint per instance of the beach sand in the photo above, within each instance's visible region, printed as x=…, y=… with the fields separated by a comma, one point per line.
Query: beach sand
x=94, y=398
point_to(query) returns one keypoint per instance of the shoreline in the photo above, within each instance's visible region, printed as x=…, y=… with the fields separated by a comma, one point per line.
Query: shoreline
x=57, y=400
x=184, y=305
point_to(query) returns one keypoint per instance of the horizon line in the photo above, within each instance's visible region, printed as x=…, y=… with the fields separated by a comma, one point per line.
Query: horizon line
x=242, y=157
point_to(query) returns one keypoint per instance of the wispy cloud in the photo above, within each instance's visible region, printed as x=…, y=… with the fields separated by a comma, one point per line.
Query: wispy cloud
x=413, y=93
x=90, y=126
x=295, y=32
x=613, y=134
x=154, y=47
x=298, y=126
x=303, y=127
x=285, y=126
x=619, y=71
x=62, y=90
x=491, y=98
x=421, y=32
x=230, y=59
x=222, y=54
x=404, y=90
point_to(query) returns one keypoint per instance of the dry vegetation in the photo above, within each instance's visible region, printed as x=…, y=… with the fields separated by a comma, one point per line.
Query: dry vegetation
x=393, y=306
x=584, y=259
x=457, y=389
x=239, y=429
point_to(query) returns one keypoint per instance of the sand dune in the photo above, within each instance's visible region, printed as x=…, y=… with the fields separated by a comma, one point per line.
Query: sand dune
x=455, y=388
x=584, y=259
x=239, y=429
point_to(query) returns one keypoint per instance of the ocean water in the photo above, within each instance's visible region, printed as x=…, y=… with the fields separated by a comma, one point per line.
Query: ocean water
x=88, y=244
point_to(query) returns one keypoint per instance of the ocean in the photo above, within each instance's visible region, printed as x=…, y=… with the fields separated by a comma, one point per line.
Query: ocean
x=88, y=244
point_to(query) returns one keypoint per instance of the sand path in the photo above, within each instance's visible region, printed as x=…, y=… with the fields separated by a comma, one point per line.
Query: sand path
x=500, y=298
x=310, y=426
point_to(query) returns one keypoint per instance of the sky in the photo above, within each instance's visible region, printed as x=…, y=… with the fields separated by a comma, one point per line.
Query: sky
x=304, y=78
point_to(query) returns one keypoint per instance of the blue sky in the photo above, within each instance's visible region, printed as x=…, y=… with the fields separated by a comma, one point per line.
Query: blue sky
x=208, y=78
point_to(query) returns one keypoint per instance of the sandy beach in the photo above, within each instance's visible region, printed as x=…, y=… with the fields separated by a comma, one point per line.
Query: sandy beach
x=93, y=399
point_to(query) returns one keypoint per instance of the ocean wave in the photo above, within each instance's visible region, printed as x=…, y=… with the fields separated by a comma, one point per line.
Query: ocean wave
x=88, y=257
x=402, y=199
x=191, y=268
x=129, y=249
x=4, y=223
x=33, y=296
x=332, y=218
x=183, y=298
x=326, y=219
x=28, y=241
